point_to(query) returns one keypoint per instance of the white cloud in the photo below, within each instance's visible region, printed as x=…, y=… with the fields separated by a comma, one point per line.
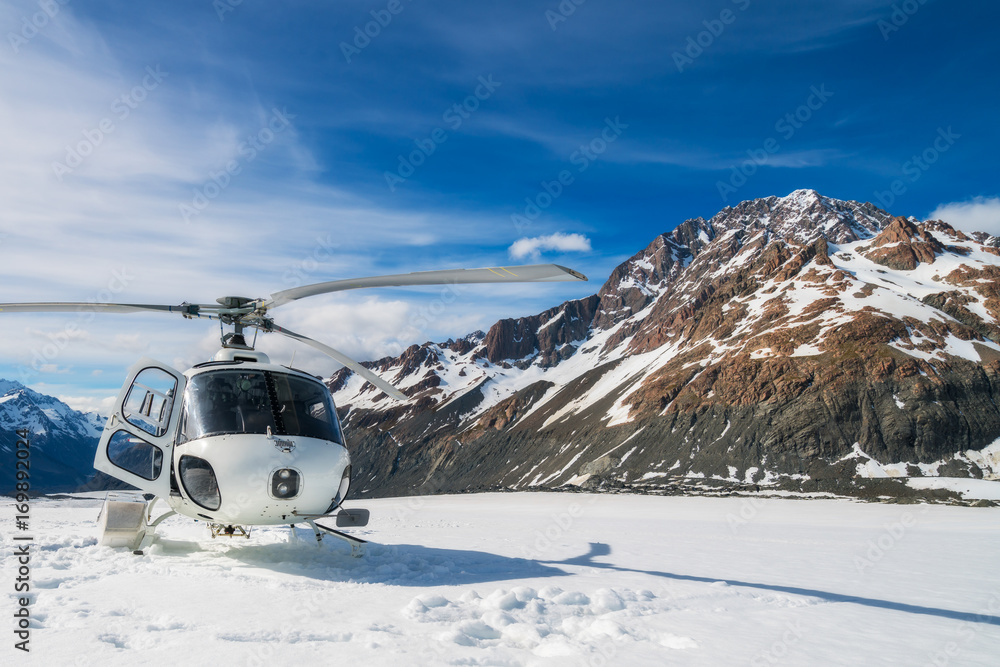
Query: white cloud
x=980, y=214
x=367, y=327
x=102, y=405
x=558, y=242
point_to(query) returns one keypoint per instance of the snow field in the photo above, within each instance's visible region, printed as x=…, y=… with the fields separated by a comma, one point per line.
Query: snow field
x=528, y=579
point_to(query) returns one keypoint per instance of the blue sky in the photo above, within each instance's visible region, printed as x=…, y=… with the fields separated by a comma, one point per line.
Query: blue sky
x=245, y=148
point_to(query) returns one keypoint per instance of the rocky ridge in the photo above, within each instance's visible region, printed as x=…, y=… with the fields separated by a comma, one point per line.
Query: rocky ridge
x=62, y=440
x=796, y=342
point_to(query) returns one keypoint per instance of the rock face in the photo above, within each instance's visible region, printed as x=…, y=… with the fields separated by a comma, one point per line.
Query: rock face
x=903, y=245
x=800, y=341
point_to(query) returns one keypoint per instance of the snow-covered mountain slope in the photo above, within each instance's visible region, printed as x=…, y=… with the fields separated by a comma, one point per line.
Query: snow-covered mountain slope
x=759, y=346
x=532, y=579
x=62, y=440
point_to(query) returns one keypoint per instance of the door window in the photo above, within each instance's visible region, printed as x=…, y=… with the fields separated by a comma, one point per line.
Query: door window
x=149, y=400
x=135, y=455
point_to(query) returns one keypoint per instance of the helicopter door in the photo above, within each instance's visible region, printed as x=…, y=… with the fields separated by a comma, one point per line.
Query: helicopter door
x=138, y=439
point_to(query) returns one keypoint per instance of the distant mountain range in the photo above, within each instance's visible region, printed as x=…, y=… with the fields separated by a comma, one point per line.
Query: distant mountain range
x=63, y=440
x=798, y=342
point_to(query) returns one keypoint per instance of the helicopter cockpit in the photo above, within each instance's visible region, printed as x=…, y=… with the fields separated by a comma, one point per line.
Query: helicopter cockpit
x=237, y=401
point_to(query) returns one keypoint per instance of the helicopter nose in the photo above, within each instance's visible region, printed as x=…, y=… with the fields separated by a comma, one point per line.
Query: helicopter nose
x=285, y=483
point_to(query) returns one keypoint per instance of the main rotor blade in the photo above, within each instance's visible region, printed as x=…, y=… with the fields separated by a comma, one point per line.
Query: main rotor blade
x=498, y=274
x=344, y=359
x=82, y=306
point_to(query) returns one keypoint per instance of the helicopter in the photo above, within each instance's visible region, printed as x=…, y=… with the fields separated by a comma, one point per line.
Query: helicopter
x=238, y=441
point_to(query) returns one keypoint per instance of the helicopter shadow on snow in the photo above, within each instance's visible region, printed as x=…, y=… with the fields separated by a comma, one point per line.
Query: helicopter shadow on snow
x=600, y=549
x=396, y=564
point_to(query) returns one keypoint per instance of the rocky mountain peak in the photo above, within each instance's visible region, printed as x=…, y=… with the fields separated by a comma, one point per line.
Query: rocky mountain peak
x=7, y=386
x=770, y=342
x=63, y=440
x=683, y=265
x=803, y=216
x=23, y=407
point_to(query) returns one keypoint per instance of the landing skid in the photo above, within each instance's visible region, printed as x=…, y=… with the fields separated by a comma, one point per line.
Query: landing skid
x=357, y=544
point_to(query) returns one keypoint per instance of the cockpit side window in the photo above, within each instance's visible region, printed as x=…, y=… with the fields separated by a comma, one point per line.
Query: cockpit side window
x=304, y=408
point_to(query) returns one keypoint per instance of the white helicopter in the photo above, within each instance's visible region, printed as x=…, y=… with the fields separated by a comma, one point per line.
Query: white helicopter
x=238, y=441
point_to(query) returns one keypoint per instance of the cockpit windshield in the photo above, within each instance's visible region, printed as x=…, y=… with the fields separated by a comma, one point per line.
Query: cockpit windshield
x=252, y=401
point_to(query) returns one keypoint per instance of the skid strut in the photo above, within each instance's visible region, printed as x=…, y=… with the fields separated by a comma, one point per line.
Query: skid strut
x=357, y=544
x=223, y=530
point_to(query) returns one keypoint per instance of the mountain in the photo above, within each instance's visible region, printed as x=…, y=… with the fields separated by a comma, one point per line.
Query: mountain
x=62, y=440
x=797, y=342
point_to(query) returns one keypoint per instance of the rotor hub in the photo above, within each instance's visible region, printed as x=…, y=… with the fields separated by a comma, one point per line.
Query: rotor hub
x=234, y=301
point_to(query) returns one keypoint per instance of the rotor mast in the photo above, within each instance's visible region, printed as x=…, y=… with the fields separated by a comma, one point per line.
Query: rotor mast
x=234, y=310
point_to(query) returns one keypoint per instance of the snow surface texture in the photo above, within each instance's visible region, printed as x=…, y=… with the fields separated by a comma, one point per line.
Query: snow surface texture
x=527, y=579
